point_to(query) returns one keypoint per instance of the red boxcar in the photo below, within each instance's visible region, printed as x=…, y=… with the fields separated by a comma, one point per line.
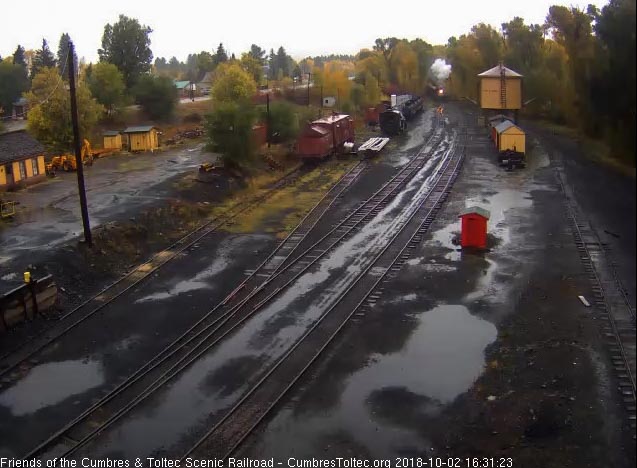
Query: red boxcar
x=340, y=126
x=314, y=142
x=325, y=136
x=372, y=113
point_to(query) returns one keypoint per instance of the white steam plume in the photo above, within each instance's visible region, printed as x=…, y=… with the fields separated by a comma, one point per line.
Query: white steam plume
x=440, y=71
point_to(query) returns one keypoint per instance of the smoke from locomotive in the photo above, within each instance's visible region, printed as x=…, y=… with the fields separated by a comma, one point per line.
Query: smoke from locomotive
x=438, y=74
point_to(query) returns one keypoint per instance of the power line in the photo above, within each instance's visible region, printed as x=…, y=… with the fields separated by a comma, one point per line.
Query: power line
x=44, y=101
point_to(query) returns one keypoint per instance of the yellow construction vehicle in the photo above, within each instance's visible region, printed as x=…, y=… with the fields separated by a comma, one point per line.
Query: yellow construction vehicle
x=67, y=162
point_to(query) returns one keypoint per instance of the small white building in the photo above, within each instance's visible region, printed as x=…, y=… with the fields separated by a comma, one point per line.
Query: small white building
x=329, y=101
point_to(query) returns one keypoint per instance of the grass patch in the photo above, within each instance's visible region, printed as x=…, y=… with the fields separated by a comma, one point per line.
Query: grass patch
x=593, y=149
x=287, y=206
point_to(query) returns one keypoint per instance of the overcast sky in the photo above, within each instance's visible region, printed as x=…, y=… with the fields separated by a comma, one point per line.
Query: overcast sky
x=303, y=27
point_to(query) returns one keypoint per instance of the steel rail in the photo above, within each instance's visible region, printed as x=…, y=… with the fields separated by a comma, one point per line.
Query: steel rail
x=264, y=410
x=218, y=323
x=175, y=248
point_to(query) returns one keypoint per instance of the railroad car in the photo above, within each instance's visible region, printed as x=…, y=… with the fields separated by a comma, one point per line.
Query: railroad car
x=394, y=120
x=325, y=136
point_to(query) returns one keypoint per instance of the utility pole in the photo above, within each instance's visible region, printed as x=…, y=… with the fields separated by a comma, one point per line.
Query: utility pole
x=309, y=78
x=267, y=118
x=78, y=150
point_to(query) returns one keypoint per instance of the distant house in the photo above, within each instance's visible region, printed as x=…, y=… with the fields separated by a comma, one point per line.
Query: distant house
x=21, y=160
x=142, y=138
x=184, y=88
x=205, y=84
x=19, y=110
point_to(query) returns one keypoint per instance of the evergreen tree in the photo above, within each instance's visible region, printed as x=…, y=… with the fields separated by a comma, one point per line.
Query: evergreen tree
x=43, y=58
x=221, y=55
x=19, y=58
x=63, y=52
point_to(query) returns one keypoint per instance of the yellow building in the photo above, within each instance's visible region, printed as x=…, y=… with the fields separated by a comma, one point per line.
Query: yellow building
x=500, y=88
x=112, y=140
x=144, y=138
x=510, y=137
x=21, y=160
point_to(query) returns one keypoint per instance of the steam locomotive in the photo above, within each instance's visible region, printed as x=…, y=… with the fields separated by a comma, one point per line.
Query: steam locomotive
x=393, y=120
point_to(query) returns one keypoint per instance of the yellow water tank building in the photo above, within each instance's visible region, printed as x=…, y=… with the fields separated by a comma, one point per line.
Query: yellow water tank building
x=500, y=89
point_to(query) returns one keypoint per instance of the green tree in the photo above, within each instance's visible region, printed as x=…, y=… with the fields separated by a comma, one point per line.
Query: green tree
x=229, y=130
x=13, y=82
x=615, y=100
x=205, y=63
x=43, y=58
x=49, y=117
x=233, y=84
x=126, y=44
x=221, y=55
x=63, y=52
x=19, y=57
x=157, y=96
x=284, y=122
x=106, y=83
x=253, y=66
x=257, y=52
x=523, y=45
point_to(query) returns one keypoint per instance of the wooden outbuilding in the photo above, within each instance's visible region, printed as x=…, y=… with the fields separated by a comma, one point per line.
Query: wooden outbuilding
x=494, y=122
x=473, y=231
x=510, y=137
x=142, y=138
x=21, y=160
x=500, y=88
x=112, y=140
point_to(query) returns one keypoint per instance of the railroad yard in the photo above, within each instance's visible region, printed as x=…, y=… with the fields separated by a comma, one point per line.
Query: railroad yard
x=352, y=324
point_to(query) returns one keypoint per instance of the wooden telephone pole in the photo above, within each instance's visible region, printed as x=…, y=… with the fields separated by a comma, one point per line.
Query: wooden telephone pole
x=88, y=238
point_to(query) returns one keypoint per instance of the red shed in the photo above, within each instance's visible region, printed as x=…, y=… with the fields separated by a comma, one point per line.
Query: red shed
x=314, y=142
x=340, y=126
x=474, y=227
x=259, y=135
x=372, y=113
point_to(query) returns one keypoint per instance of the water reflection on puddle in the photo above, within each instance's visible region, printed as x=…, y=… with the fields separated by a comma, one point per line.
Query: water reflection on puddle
x=440, y=360
x=35, y=391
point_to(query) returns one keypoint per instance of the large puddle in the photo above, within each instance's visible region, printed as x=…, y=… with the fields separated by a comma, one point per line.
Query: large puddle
x=35, y=392
x=377, y=405
x=204, y=278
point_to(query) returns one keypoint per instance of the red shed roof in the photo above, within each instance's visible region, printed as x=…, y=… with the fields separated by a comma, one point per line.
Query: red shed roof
x=475, y=210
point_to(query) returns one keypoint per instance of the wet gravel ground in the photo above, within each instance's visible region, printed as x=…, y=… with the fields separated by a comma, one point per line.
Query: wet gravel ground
x=94, y=357
x=117, y=187
x=172, y=418
x=467, y=354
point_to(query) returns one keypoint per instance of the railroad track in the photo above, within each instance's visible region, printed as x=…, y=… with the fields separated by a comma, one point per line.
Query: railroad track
x=611, y=301
x=241, y=304
x=14, y=357
x=241, y=420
